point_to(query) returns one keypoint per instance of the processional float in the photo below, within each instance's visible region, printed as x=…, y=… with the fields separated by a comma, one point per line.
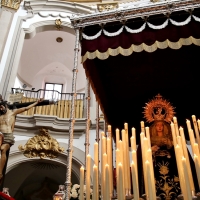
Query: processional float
x=121, y=15
x=160, y=111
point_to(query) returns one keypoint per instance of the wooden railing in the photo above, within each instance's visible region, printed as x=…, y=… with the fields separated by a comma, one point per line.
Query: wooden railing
x=61, y=109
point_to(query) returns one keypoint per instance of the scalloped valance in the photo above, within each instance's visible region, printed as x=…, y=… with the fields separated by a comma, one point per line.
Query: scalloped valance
x=140, y=29
x=149, y=40
x=142, y=47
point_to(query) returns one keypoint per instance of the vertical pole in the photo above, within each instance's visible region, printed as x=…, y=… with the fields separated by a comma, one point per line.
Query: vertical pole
x=72, y=114
x=87, y=134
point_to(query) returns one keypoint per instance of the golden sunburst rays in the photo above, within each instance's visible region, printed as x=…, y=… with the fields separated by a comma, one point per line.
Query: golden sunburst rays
x=158, y=109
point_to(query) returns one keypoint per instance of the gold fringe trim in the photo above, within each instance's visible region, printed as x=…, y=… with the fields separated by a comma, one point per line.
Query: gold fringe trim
x=142, y=47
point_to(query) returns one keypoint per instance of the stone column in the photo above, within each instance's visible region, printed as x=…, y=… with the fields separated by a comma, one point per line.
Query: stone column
x=8, y=9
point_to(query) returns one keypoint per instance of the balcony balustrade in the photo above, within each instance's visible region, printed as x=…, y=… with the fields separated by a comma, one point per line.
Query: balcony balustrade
x=62, y=107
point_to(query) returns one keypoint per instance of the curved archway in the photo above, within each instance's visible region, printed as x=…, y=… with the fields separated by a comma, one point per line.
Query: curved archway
x=28, y=31
x=46, y=174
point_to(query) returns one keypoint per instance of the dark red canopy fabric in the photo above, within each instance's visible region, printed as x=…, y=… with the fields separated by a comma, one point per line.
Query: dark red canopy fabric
x=148, y=36
x=123, y=84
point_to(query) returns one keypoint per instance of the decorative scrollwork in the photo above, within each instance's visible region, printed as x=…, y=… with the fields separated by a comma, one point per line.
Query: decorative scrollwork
x=41, y=145
x=107, y=6
x=13, y=4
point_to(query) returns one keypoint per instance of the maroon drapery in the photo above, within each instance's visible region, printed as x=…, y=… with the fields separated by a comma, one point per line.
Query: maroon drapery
x=123, y=84
x=148, y=36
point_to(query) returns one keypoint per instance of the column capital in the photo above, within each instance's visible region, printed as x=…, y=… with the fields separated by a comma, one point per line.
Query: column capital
x=13, y=4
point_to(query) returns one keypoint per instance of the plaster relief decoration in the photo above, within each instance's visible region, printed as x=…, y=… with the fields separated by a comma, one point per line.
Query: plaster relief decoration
x=107, y=6
x=41, y=145
x=13, y=4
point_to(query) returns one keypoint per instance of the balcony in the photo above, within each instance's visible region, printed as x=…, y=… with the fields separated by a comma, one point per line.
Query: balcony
x=61, y=109
x=55, y=117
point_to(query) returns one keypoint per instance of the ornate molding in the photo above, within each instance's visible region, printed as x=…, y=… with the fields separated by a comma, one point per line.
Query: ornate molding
x=59, y=128
x=107, y=6
x=27, y=6
x=143, y=11
x=39, y=6
x=13, y=4
x=41, y=145
x=47, y=25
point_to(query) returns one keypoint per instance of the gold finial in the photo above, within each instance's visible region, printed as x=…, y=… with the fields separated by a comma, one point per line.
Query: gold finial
x=58, y=24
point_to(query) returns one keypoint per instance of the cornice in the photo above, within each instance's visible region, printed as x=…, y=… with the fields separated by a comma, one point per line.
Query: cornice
x=59, y=6
x=58, y=127
x=143, y=11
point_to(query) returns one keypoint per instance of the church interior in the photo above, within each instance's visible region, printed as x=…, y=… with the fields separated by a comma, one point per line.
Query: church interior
x=120, y=72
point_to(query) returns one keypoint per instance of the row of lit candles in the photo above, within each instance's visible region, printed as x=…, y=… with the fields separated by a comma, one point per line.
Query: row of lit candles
x=123, y=163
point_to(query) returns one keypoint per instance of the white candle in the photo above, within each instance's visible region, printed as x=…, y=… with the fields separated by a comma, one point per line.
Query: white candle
x=105, y=161
x=180, y=169
x=187, y=182
x=125, y=162
x=117, y=153
x=149, y=183
x=148, y=137
x=121, y=160
x=128, y=157
x=185, y=152
x=176, y=126
x=81, y=183
x=197, y=166
x=96, y=153
x=173, y=134
x=134, y=159
x=110, y=162
x=142, y=126
x=133, y=132
x=95, y=195
x=153, y=187
x=109, y=128
x=198, y=121
x=120, y=188
x=192, y=140
x=103, y=150
x=196, y=128
x=144, y=147
x=107, y=183
x=132, y=143
x=88, y=168
x=117, y=137
x=103, y=145
x=135, y=181
x=125, y=126
x=196, y=149
x=188, y=125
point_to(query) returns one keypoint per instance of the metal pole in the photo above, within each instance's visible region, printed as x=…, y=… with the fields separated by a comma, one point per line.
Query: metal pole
x=72, y=115
x=87, y=134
